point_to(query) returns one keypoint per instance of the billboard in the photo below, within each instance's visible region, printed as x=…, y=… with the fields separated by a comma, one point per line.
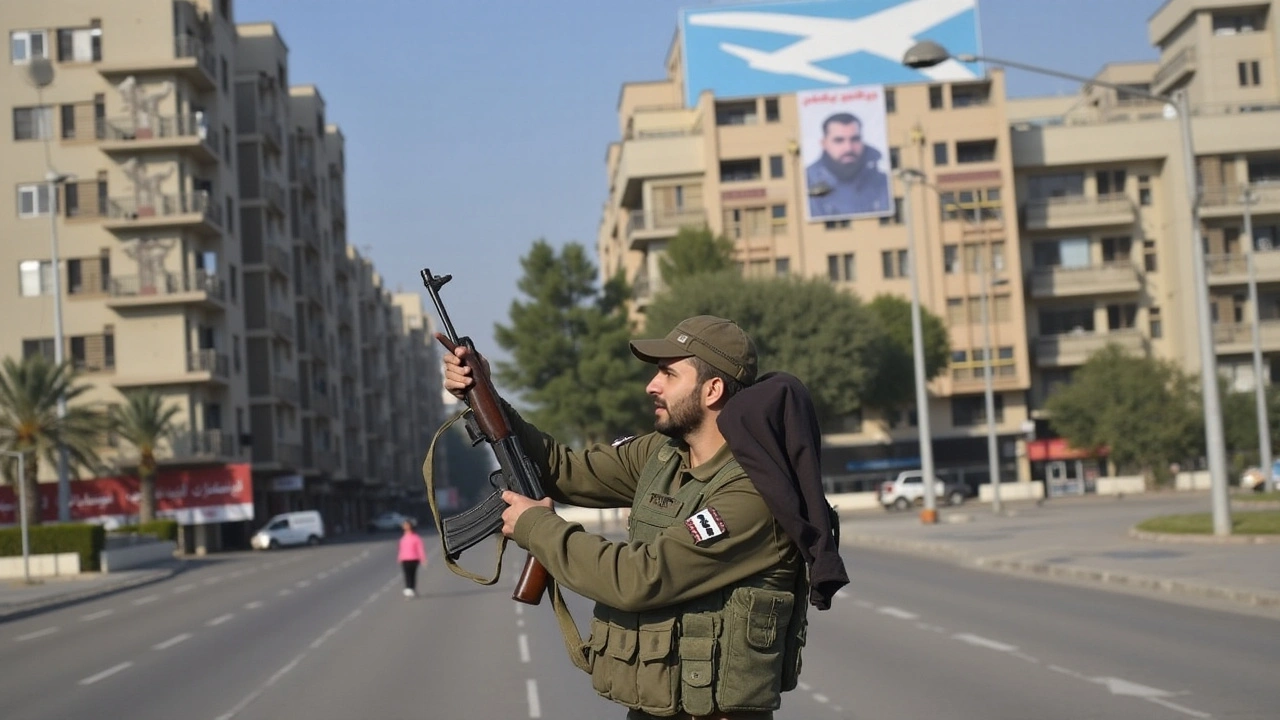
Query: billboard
x=780, y=48
x=196, y=496
x=843, y=143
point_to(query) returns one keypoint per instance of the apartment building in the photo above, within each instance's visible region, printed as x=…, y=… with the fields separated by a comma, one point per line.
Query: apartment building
x=734, y=166
x=1079, y=202
x=201, y=221
x=1105, y=214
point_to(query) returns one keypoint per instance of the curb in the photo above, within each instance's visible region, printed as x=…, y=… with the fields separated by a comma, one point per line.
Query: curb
x=1252, y=598
x=1195, y=539
x=18, y=611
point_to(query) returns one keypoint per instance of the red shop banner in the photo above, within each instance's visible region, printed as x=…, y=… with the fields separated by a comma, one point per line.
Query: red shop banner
x=194, y=496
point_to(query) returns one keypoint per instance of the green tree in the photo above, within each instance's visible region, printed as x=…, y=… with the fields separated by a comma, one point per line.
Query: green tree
x=1143, y=409
x=144, y=422
x=893, y=370
x=695, y=251
x=568, y=345
x=805, y=327
x=29, y=422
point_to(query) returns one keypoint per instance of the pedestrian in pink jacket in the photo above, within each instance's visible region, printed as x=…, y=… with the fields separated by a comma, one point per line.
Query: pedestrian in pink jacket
x=411, y=555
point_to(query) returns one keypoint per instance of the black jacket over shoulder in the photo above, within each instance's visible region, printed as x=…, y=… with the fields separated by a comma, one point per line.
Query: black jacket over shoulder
x=772, y=429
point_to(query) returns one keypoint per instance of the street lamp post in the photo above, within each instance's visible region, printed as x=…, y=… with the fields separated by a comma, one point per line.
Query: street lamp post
x=40, y=75
x=1260, y=390
x=22, y=513
x=929, y=515
x=928, y=54
x=993, y=459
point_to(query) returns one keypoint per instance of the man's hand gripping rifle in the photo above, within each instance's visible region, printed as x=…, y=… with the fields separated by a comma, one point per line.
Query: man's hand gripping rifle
x=489, y=423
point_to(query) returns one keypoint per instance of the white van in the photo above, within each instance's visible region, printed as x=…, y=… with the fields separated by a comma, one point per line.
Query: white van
x=294, y=528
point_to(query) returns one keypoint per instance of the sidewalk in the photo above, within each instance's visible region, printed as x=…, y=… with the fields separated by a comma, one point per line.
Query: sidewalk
x=18, y=599
x=1086, y=539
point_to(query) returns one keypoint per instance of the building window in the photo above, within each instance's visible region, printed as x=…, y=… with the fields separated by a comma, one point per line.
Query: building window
x=836, y=224
x=739, y=170
x=841, y=268
x=972, y=410
x=896, y=217
x=890, y=101
x=894, y=264
x=1237, y=22
x=1042, y=187
x=226, y=83
x=895, y=158
x=80, y=45
x=1144, y=190
x=1149, y=255
x=33, y=200
x=740, y=112
x=1156, y=324
x=27, y=44
x=33, y=123
x=35, y=277
x=88, y=276
x=38, y=346
x=771, y=113
x=976, y=151
x=1250, y=72
x=231, y=278
x=970, y=95
x=940, y=153
x=951, y=259
x=782, y=267
x=1111, y=182
x=935, y=97
x=775, y=166
x=972, y=205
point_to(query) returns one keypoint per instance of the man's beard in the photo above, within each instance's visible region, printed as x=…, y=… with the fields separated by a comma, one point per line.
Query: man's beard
x=684, y=417
x=842, y=170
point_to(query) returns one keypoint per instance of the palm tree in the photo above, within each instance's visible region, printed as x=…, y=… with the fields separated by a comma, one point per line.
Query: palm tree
x=144, y=422
x=29, y=422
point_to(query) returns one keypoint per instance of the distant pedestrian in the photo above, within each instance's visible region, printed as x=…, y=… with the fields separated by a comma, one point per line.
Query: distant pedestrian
x=411, y=555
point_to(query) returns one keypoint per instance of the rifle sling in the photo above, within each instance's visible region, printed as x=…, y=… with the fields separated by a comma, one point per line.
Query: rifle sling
x=568, y=628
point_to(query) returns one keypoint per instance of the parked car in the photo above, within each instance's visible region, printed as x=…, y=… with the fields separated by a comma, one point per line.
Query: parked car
x=304, y=527
x=908, y=489
x=388, y=521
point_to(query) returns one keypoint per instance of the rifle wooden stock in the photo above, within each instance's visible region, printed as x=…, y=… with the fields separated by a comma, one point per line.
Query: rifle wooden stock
x=482, y=398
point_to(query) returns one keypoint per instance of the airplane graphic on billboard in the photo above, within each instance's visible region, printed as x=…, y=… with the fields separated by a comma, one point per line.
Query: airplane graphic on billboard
x=858, y=41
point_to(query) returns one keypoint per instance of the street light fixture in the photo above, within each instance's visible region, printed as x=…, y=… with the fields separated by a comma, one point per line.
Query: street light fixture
x=929, y=515
x=928, y=54
x=22, y=513
x=40, y=76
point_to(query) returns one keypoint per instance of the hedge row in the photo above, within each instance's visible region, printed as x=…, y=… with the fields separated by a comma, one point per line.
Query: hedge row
x=161, y=529
x=85, y=539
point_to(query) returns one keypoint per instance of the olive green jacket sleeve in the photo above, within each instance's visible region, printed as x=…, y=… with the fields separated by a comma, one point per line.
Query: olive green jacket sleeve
x=635, y=577
x=600, y=476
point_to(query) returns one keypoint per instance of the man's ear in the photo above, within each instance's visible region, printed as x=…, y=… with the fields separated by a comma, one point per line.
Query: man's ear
x=712, y=392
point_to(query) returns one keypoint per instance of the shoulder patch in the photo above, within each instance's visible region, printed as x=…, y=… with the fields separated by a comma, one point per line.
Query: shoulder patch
x=705, y=525
x=623, y=440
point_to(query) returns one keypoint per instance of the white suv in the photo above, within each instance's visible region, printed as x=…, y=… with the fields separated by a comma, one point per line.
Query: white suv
x=908, y=489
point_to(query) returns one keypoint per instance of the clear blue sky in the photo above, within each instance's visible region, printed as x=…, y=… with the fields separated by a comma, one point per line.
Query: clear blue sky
x=475, y=127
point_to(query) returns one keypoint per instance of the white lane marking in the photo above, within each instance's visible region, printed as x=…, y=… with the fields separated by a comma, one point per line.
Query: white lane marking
x=520, y=623
x=244, y=703
x=36, y=634
x=253, y=605
x=184, y=588
x=95, y=616
x=1178, y=708
x=519, y=609
x=171, y=641
x=284, y=592
x=236, y=574
x=984, y=642
x=322, y=576
x=531, y=689
x=931, y=628
x=820, y=698
x=106, y=673
x=524, y=648
x=1120, y=686
x=804, y=687
x=219, y=620
x=840, y=595
x=212, y=580
x=147, y=599
x=303, y=583
x=864, y=604
x=1024, y=656
x=898, y=613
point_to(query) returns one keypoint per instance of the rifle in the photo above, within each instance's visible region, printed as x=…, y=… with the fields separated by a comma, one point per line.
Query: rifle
x=489, y=423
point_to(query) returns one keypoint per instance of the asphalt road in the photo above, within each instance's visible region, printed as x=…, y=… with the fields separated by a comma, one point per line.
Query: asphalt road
x=323, y=633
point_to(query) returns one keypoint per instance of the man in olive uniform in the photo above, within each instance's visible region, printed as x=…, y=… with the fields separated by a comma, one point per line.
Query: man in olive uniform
x=701, y=613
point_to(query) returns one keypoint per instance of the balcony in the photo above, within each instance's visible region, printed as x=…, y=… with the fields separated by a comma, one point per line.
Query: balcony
x=1229, y=201
x=321, y=404
x=1101, y=279
x=1171, y=73
x=645, y=225
x=285, y=389
x=133, y=291
x=1237, y=338
x=272, y=132
x=1075, y=348
x=192, y=211
x=192, y=60
x=188, y=134
x=1077, y=211
x=278, y=259
x=288, y=454
x=202, y=366
x=274, y=197
x=185, y=447
x=280, y=324
x=1233, y=268
x=971, y=376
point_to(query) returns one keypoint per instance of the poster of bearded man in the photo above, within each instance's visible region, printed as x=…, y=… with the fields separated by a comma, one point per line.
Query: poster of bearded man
x=842, y=141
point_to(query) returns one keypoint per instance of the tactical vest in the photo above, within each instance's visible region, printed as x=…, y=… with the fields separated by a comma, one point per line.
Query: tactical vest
x=737, y=649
